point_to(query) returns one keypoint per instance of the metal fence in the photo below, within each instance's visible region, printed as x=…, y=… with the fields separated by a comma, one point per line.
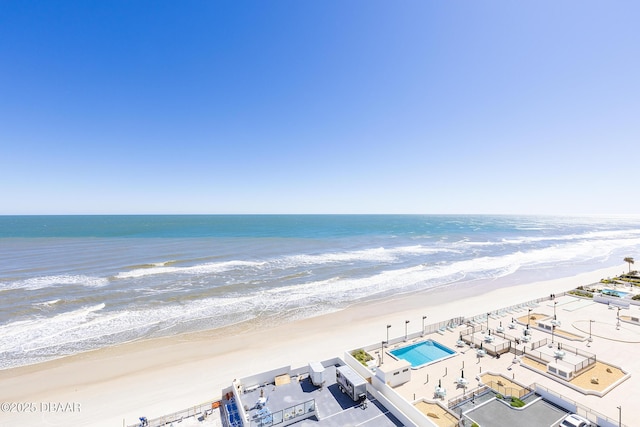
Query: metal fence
x=482, y=318
x=300, y=411
x=472, y=329
x=474, y=324
x=507, y=336
x=199, y=411
x=509, y=391
x=444, y=325
x=467, y=395
x=489, y=347
x=583, y=411
x=589, y=360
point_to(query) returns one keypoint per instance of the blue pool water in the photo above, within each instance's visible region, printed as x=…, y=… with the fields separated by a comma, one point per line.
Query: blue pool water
x=614, y=292
x=422, y=353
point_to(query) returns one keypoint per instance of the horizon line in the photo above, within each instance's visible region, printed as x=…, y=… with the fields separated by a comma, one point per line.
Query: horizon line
x=327, y=214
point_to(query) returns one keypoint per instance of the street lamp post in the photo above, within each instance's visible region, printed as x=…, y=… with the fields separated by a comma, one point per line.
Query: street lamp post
x=388, y=326
x=406, y=324
x=488, y=314
x=423, y=319
x=554, y=310
x=553, y=330
x=382, y=351
x=619, y=416
x=590, y=322
x=528, y=317
x=618, y=325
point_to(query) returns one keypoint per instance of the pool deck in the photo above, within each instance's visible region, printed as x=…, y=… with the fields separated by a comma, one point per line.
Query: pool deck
x=613, y=344
x=419, y=359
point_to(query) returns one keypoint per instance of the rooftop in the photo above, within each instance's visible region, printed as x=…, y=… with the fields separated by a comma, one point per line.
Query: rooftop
x=535, y=414
x=592, y=337
x=300, y=397
x=592, y=343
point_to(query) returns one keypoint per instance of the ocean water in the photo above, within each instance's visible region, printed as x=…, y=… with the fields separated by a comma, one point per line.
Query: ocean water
x=74, y=283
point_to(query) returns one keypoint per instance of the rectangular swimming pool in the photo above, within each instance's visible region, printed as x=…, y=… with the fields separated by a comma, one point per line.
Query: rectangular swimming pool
x=614, y=293
x=422, y=353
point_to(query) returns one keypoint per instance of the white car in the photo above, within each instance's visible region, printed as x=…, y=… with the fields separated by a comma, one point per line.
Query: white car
x=574, y=420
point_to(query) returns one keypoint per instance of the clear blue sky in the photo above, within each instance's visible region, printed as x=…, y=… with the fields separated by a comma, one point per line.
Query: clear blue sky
x=319, y=106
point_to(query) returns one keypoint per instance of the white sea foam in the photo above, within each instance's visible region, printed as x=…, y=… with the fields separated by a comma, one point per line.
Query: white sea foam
x=35, y=283
x=425, y=276
x=208, y=268
x=93, y=326
x=259, y=289
x=375, y=254
x=48, y=303
x=619, y=236
x=74, y=329
x=22, y=333
x=379, y=254
x=593, y=235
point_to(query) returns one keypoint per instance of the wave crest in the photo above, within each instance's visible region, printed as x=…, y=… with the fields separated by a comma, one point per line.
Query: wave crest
x=42, y=282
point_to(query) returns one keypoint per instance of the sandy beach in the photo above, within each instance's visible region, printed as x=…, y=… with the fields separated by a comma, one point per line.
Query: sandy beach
x=115, y=386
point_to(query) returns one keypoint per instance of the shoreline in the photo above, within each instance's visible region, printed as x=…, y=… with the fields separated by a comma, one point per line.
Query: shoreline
x=157, y=376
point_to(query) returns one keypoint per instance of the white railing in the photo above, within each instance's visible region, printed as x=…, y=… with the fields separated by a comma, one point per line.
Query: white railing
x=203, y=410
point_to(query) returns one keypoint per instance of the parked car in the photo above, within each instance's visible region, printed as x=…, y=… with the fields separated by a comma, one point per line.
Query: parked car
x=574, y=420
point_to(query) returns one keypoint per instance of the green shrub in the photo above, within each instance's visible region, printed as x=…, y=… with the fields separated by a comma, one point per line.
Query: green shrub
x=362, y=356
x=581, y=293
x=636, y=297
x=475, y=425
x=499, y=396
x=517, y=403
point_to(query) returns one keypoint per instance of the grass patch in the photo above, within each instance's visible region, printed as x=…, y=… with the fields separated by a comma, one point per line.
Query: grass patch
x=362, y=356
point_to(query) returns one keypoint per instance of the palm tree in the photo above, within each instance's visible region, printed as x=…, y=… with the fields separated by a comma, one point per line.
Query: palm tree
x=630, y=261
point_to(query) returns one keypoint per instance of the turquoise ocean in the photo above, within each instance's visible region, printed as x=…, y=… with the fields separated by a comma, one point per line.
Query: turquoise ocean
x=69, y=284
